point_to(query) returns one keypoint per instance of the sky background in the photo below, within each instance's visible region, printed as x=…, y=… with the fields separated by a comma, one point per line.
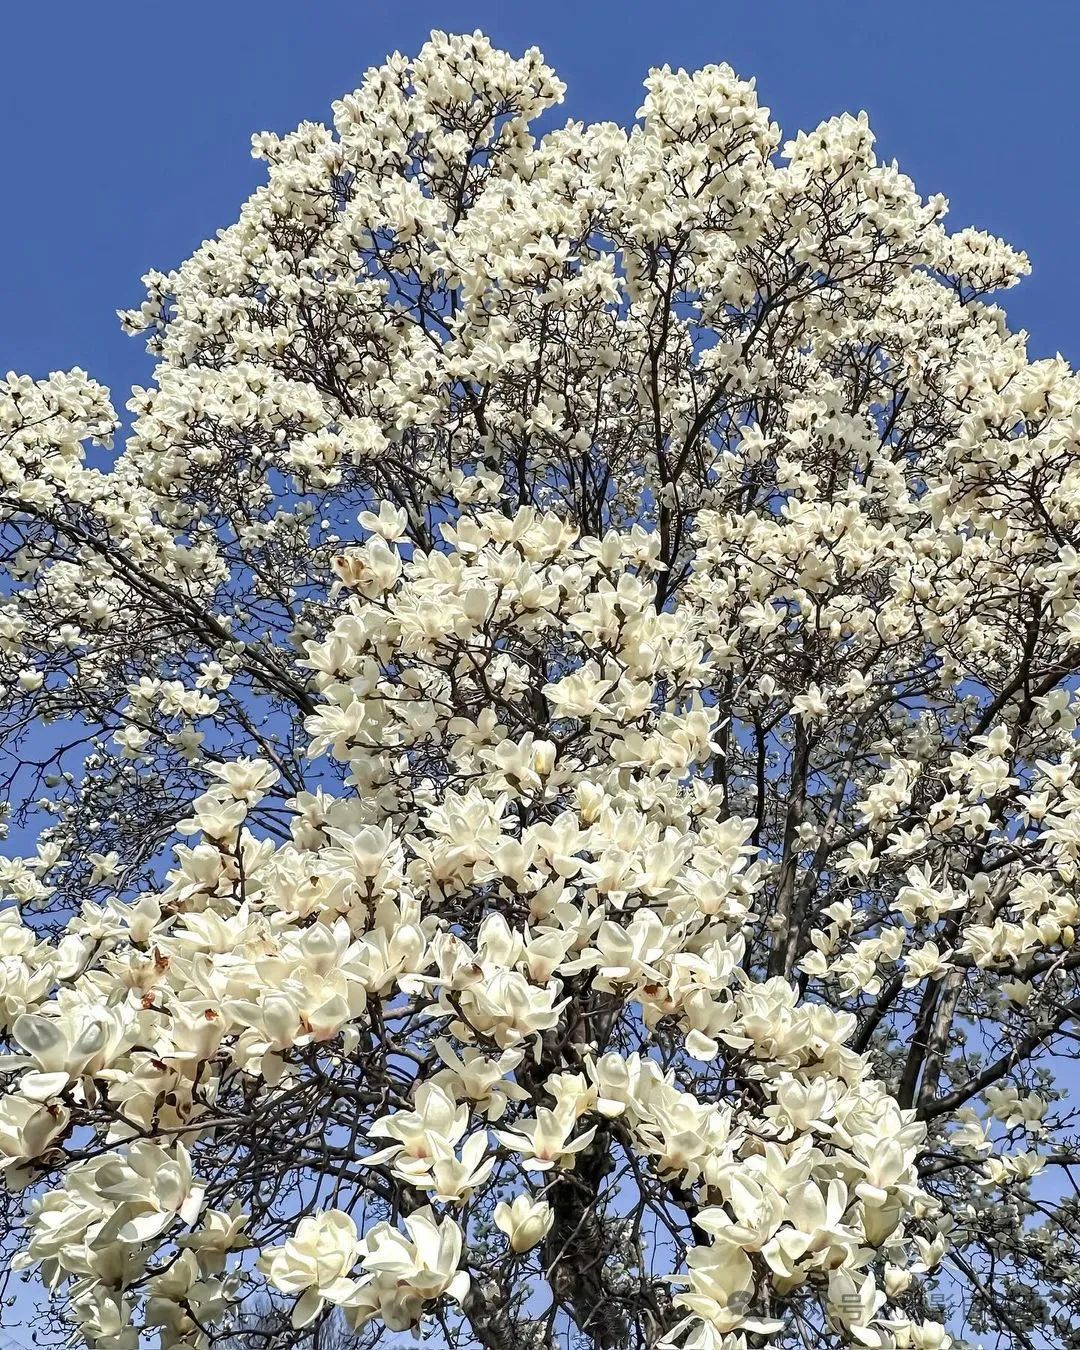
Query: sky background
x=127, y=125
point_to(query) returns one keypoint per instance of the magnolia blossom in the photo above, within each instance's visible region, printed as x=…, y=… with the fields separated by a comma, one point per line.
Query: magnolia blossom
x=27, y=1128
x=316, y=1263
x=524, y=1221
x=407, y=1271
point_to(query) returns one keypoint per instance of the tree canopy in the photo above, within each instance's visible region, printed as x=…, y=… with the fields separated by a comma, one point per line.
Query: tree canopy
x=542, y=773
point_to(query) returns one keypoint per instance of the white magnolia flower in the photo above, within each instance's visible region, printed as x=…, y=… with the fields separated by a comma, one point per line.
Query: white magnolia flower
x=315, y=1263
x=525, y=1221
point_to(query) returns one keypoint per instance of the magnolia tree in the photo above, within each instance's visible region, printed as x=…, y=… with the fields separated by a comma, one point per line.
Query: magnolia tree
x=549, y=758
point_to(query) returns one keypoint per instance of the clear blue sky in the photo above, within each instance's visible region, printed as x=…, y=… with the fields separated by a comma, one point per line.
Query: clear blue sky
x=126, y=123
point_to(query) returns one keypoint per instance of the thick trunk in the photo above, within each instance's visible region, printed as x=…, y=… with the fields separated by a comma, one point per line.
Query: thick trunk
x=577, y=1249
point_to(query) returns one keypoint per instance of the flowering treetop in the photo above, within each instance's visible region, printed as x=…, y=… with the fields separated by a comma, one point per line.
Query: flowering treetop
x=600, y=612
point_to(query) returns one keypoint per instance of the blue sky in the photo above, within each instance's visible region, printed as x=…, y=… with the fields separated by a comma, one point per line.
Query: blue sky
x=127, y=123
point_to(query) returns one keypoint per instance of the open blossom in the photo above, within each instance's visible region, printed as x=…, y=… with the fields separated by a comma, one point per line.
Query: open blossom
x=569, y=830
x=406, y=1271
x=27, y=1128
x=316, y=1263
x=62, y=1048
x=721, y=1280
x=545, y=1142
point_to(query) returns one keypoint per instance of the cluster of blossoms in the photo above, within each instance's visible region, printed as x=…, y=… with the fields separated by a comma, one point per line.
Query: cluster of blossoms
x=602, y=613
